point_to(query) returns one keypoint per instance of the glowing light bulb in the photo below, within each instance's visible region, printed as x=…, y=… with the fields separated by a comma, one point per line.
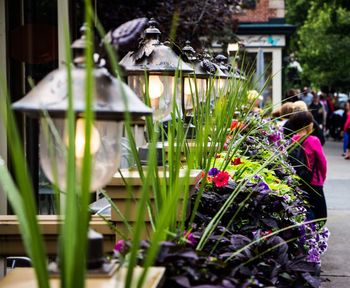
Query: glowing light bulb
x=155, y=90
x=95, y=141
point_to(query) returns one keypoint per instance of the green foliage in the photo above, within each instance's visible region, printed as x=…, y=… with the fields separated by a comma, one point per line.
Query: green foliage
x=297, y=11
x=322, y=41
x=323, y=50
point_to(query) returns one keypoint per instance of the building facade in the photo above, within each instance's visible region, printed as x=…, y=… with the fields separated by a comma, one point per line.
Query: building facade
x=263, y=32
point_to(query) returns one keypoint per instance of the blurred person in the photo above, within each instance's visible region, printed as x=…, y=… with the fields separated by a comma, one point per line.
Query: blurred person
x=316, y=109
x=292, y=95
x=306, y=96
x=276, y=113
x=346, y=128
x=331, y=109
x=323, y=101
x=289, y=130
x=286, y=112
x=316, y=163
x=336, y=124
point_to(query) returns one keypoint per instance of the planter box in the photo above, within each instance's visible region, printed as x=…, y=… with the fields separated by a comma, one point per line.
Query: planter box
x=25, y=278
x=127, y=204
x=11, y=239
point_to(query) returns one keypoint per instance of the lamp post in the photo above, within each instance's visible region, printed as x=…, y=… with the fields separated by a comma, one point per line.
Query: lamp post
x=49, y=98
x=156, y=67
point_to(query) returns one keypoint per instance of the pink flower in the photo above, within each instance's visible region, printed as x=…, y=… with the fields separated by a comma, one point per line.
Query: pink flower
x=221, y=179
x=190, y=238
x=118, y=247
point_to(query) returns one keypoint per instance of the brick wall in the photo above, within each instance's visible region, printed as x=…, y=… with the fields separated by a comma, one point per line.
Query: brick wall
x=264, y=10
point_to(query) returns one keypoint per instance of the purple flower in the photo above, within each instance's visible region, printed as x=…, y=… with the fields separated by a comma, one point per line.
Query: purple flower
x=263, y=187
x=286, y=198
x=213, y=171
x=257, y=177
x=302, y=240
x=311, y=243
x=274, y=137
x=302, y=230
x=289, y=180
x=118, y=247
x=323, y=246
x=313, y=227
x=313, y=256
x=325, y=233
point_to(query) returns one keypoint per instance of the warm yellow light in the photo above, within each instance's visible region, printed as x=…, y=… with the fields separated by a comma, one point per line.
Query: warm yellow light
x=95, y=142
x=155, y=90
x=156, y=87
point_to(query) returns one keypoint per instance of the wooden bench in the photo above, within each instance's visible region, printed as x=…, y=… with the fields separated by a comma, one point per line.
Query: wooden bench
x=11, y=240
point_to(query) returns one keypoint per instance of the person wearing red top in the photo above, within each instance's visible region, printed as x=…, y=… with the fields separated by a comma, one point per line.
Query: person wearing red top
x=347, y=129
x=316, y=162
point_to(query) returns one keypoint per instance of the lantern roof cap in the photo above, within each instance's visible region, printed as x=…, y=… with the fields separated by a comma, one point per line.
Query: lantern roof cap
x=154, y=56
x=152, y=30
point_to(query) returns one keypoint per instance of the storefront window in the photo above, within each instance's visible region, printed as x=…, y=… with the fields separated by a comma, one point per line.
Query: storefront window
x=33, y=52
x=251, y=62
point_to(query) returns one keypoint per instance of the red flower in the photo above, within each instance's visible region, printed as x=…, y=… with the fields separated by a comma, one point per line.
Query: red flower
x=221, y=179
x=234, y=124
x=236, y=161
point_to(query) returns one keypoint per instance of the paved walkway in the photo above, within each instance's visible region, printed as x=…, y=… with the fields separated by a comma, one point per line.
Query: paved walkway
x=336, y=262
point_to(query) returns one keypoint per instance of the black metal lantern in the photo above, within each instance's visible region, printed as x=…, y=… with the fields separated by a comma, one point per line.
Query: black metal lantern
x=157, y=64
x=49, y=98
x=219, y=80
x=196, y=83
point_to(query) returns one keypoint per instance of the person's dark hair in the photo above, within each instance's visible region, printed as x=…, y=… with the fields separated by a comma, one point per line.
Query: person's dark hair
x=300, y=120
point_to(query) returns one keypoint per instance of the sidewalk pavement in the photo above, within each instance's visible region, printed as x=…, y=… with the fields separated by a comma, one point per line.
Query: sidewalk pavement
x=336, y=262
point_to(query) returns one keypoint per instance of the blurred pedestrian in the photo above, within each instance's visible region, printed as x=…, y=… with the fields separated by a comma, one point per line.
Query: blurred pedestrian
x=292, y=95
x=306, y=96
x=346, y=128
x=289, y=130
x=316, y=109
x=286, y=112
x=323, y=101
x=315, y=161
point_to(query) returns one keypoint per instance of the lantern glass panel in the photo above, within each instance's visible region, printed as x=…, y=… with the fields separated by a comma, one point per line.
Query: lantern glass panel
x=193, y=89
x=160, y=91
x=220, y=86
x=104, y=148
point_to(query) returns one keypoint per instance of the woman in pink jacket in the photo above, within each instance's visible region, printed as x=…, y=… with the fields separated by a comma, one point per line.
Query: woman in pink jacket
x=316, y=162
